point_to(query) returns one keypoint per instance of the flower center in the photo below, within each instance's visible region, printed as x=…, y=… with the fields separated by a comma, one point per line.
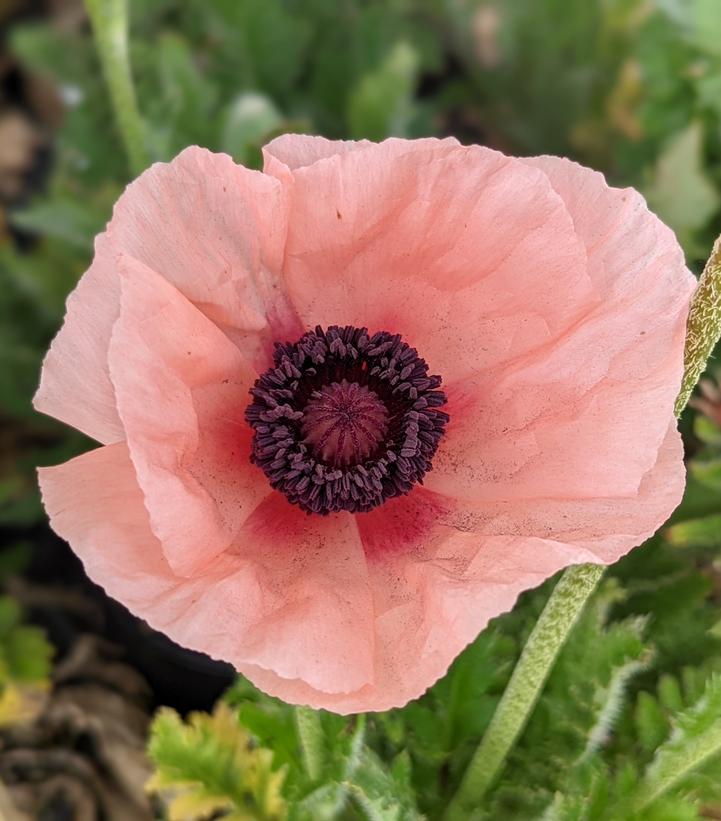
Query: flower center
x=345, y=420
x=344, y=423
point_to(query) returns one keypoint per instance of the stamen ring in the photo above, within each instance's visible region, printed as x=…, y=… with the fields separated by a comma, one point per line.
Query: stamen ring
x=345, y=420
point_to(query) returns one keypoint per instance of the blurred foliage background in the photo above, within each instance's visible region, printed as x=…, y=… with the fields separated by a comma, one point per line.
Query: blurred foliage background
x=631, y=87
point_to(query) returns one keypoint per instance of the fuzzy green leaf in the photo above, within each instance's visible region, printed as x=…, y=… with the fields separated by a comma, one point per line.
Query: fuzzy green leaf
x=694, y=740
x=381, y=793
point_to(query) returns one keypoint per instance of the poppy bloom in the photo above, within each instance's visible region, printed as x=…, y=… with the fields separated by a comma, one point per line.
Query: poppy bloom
x=352, y=406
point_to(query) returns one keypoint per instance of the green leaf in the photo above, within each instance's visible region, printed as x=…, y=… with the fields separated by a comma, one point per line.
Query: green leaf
x=61, y=54
x=694, y=741
x=211, y=764
x=380, y=105
x=707, y=471
x=263, y=42
x=63, y=218
x=707, y=26
x=670, y=694
x=182, y=106
x=25, y=660
x=382, y=794
x=650, y=722
x=247, y=124
x=704, y=532
x=46, y=277
x=320, y=752
x=680, y=191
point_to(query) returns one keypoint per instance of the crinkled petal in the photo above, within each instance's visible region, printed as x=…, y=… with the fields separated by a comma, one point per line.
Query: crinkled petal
x=216, y=231
x=75, y=383
x=452, y=247
x=213, y=229
x=182, y=387
x=294, y=598
x=608, y=526
x=430, y=600
x=289, y=152
x=585, y=414
x=440, y=571
x=319, y=593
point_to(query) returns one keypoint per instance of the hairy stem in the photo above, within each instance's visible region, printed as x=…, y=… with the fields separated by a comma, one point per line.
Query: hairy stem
x=109, y=20
x=544, y=644
x=310, y=734
x=704, y=325
x=578, y=583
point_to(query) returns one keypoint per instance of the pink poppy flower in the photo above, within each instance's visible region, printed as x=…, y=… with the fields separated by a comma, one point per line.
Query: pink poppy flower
x=514, y=324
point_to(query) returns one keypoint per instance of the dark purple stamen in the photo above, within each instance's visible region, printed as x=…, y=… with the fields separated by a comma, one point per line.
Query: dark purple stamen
x=345, y=420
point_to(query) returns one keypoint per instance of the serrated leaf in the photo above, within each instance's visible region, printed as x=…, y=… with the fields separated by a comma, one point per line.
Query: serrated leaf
x=694, y=740
x=322, y=804
x=380, y=794
x=212, y=762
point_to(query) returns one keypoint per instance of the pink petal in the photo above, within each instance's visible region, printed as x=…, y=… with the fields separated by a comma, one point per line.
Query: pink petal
x=293, y=598
x=216, y=231
x=453, y=247
x=75, y=384
x=608, y=526
x=441, y=571
x=602, y=392
x=182, y=388
x=289, y=152
x=315, y=578
x=429, y=604
x=212, y=228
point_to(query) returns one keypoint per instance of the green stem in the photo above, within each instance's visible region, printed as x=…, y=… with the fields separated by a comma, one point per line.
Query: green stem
x=310, y=733
x=544, y=644
x=109, y=20
x=704, y=326
x=577, y=584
